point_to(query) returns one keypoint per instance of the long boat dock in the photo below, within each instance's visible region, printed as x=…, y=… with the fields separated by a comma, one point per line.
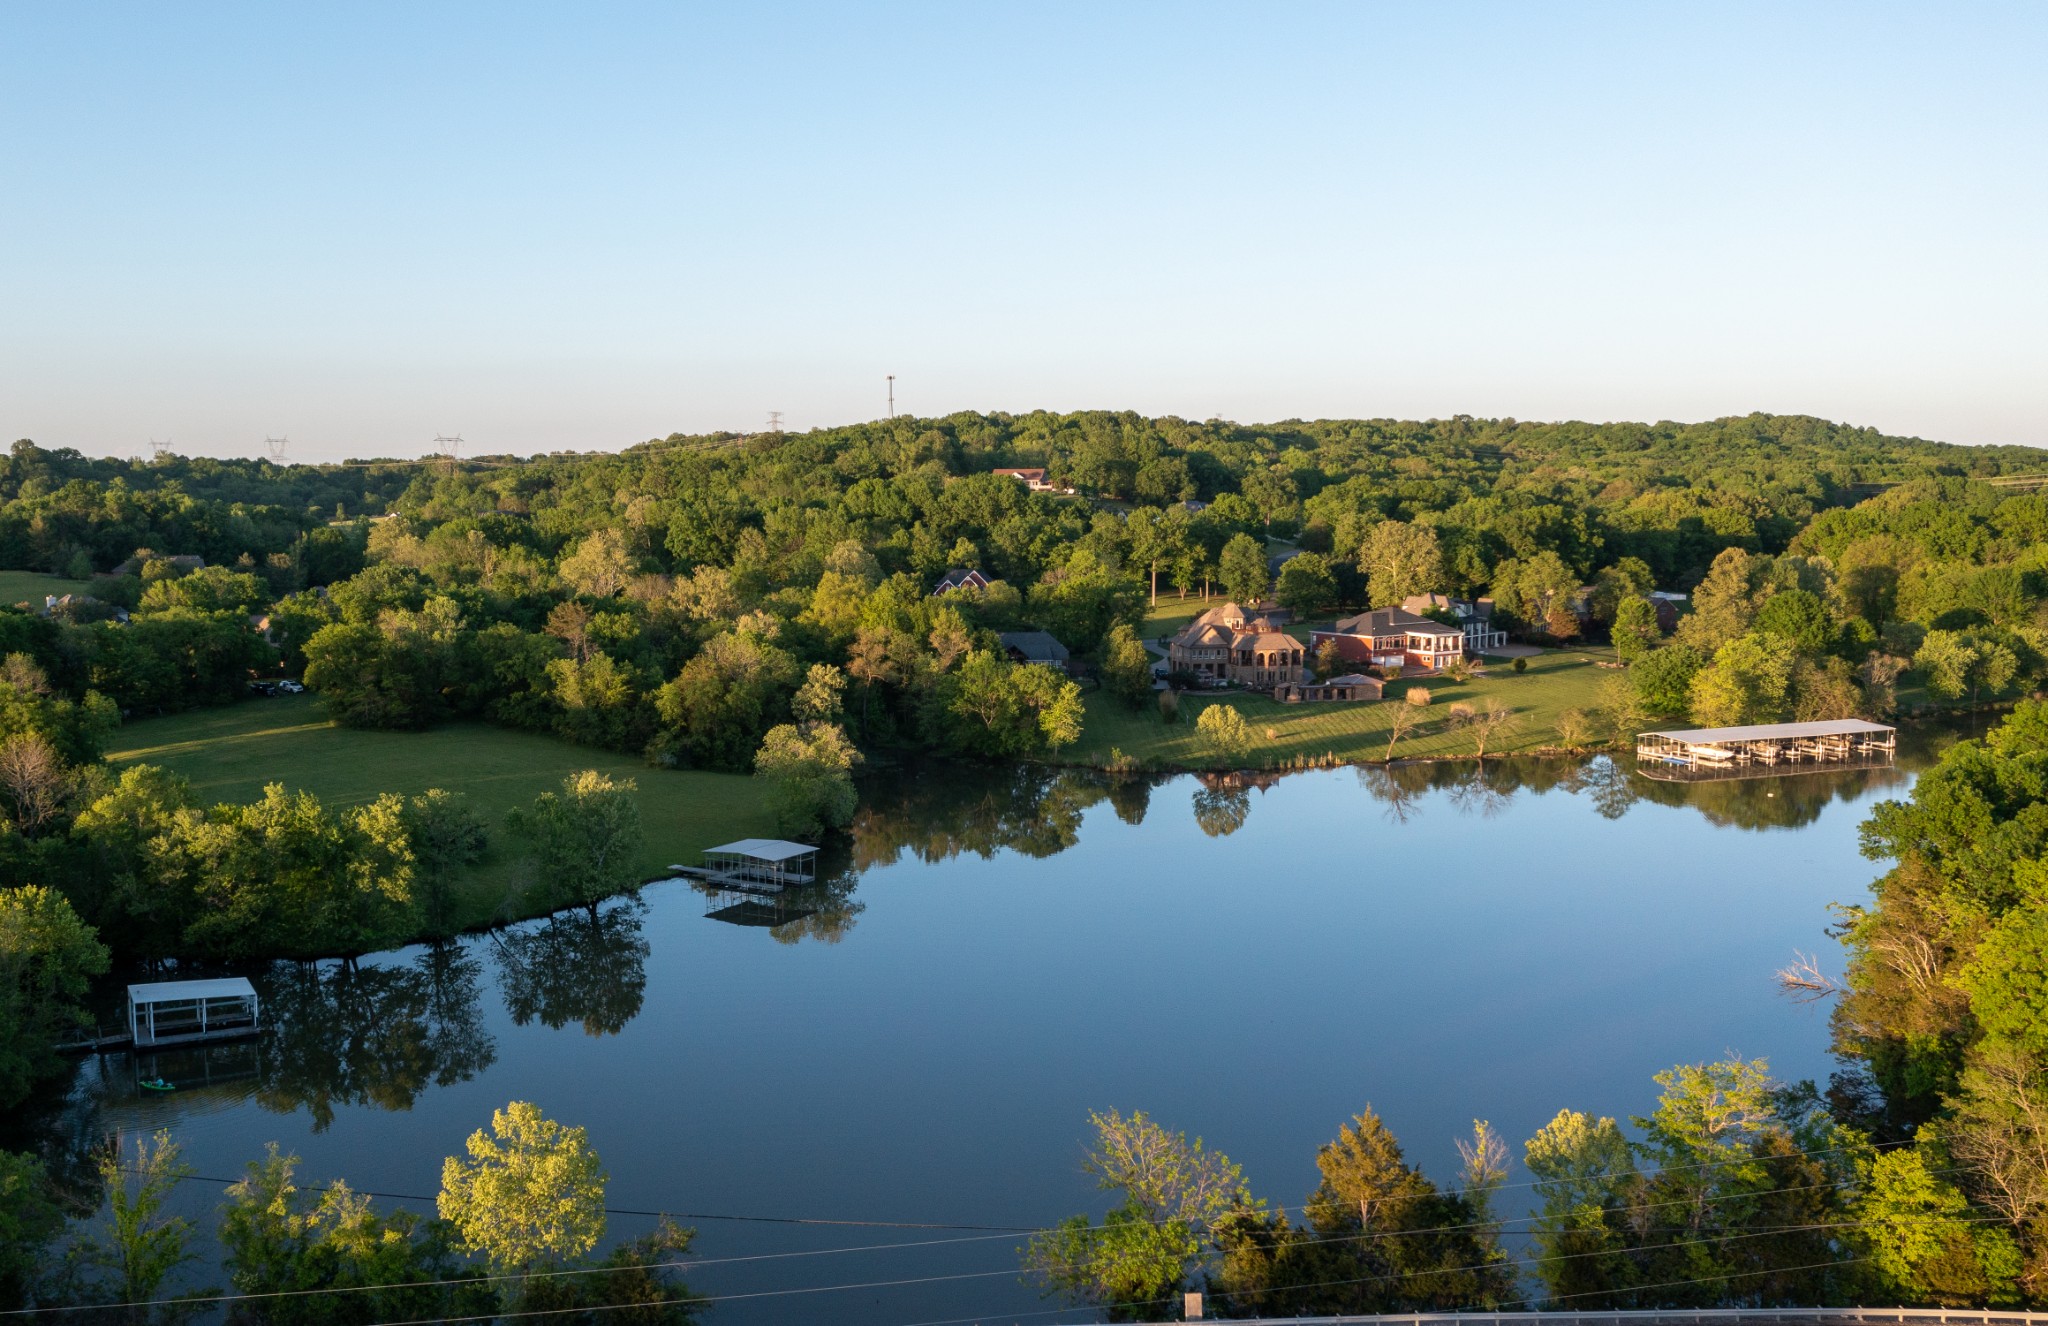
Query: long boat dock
x=1691, y=754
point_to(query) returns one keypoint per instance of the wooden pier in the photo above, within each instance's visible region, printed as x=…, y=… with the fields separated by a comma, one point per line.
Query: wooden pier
x=1763, y=749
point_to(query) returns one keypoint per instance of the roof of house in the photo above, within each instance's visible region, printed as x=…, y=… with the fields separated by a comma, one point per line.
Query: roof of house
x=1351, y=679
x=157, y=992
x=762, y=849
x=958, y=576
x=1825, y=727
x=1463, y=608
x=1035, y=646
x=1265, y=640
x=1205, y=633
x=1388, y=621
x=1030, y=473
x=1224, y=613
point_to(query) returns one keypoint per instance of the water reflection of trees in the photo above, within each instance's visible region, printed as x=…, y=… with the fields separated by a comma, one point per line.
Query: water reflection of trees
x=1613, y=787
x=934, y=812
x=587, y=965
x=343, y=1034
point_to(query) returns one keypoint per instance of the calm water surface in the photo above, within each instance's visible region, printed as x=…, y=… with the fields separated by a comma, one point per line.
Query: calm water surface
x=1001, y=953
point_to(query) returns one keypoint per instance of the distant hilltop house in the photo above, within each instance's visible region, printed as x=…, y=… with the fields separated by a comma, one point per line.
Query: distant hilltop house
x=1228, y=644
x=960, y=578
x=1393, y=637
x=1474, y=617
x=1034, y=647
x=1034, y=478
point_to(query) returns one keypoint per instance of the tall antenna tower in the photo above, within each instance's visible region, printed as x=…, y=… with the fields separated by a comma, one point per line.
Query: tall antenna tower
x=277, y=446
x=451, y=447
x=892, y=395
x=775, y=421
x=157, y=450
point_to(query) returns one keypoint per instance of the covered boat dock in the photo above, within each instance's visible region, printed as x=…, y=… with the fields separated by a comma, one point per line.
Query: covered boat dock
x=1689, y=754
x=760, y=865
x=184, y=1012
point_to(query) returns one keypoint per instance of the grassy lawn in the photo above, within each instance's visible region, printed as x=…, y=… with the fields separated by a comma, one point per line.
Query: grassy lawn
x=1351, y=733
x=229, y=754
x=32, y=587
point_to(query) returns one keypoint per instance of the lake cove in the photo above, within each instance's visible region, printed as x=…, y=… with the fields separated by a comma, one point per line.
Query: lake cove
x=1000, y=952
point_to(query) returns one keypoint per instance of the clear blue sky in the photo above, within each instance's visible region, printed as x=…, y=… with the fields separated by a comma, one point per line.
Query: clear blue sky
x=585, y=225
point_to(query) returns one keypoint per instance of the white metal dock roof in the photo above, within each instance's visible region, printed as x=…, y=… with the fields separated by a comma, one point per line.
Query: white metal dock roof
x=157, y=992
x=1826, y=727
x=763, y=849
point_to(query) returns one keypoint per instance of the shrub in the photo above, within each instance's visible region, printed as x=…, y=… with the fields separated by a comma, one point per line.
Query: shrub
x=1459, y=714
x=1521, y=665
x=1418, y=696
x=1169, y=706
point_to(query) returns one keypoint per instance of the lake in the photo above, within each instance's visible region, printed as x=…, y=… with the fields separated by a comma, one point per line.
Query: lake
x=1000, y=952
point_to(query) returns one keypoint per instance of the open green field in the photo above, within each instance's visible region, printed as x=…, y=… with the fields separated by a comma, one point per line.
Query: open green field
x=1350, y=733
x=32, y=587
x=230, y=754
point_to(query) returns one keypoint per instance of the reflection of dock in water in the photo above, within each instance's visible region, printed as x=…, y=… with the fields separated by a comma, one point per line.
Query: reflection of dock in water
x=1765, y=750
x=756, y=881
x=762, y=913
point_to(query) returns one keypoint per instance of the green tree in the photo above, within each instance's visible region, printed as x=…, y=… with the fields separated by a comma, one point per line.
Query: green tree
x=30, y=1221
x=1799, y=618
x=600, y=566
x=1635, y=630
x=1174, y=1194
x=1662, y=679
x=585, y=840
x=1585, y=1175
x=1399, y=560
x=137, y=1247
x=1306, y=585
x=447, y=839
x=293, y=1249
x=1224, y=732
x=1922, y=1237
x=1748, y=682
x=1126, y=666
x=1243, y=569
x=810, y=771
x=531, y=1193
x=48, y=957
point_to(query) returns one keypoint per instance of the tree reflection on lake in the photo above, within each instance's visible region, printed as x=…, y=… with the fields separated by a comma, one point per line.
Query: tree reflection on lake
x=587, y=966
x=345, y=1034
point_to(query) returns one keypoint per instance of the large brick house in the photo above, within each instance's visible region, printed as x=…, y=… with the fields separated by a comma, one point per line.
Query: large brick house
x=1474, y=617
x=1392, y=637
x=1225, y=644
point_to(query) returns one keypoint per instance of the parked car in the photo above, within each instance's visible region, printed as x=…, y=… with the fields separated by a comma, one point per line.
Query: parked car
x=290, y=687
x=262, y=688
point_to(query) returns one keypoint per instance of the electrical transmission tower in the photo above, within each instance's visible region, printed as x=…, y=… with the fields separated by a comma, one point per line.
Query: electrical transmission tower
x=775, y=421
x=451, y=447
x=892, y=395
x=277, y=446
x=157, y=450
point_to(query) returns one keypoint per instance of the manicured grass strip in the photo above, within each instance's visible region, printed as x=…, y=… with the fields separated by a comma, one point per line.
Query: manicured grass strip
x=32, y=587
x=1350, y=733
x=229, y=754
